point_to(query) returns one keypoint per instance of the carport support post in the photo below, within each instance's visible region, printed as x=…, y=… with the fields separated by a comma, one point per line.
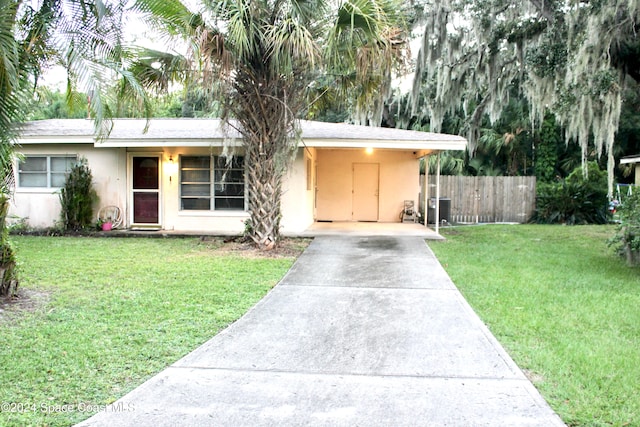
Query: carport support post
x=425, y=191
x=437, y=213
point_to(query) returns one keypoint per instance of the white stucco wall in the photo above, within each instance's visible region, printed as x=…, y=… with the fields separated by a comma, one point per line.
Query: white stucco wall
x=173, y=218
x=399, y=177
x=298, y=193
x=111, y=171
x=40, y=207
x=296, y=204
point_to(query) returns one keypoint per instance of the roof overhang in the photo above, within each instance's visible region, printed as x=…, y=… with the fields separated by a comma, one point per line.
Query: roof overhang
x=630, y=160
x=130, y=133
x=167, y=142
x=388, y=145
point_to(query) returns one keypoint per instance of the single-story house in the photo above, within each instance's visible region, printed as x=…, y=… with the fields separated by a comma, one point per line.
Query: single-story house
x=633, y=160
x=175, y=176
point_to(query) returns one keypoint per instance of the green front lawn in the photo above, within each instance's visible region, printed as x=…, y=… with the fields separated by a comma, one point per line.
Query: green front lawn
x=563, y=305
x=97, y=317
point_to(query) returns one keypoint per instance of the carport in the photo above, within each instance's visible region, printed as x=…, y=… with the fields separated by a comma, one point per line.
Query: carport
x=364, y=174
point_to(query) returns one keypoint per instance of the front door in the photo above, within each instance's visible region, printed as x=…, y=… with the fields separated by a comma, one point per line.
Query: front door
x=365, y=191
x=146, y=190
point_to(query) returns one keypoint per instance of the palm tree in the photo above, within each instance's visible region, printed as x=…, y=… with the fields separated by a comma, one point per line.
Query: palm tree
x=85, y=36
x=15, y=69
x=259, y=57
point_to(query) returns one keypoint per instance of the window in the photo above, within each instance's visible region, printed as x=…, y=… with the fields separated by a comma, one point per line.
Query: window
x=45, y=171
x=211, y=183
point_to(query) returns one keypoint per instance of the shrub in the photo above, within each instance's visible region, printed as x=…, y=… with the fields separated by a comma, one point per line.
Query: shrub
x=574, y=200
x=77, y=197
x=627, y=238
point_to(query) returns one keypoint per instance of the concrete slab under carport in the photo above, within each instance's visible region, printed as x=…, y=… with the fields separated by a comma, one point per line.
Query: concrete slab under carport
x=362, y=228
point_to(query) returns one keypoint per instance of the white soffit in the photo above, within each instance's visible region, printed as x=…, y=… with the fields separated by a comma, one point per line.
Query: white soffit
x=388, y=144
x=630, y=160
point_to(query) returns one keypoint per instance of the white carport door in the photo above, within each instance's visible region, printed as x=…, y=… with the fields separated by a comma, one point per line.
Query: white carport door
x=366, y=190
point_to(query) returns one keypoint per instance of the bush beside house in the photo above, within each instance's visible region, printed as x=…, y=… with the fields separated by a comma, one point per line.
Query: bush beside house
x=627, y=238
x=77, y=197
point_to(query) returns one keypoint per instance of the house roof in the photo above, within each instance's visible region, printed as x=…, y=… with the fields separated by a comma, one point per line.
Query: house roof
x=630, y=159
x=207, y=132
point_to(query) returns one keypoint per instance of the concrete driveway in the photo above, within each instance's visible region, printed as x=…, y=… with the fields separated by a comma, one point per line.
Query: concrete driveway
x=362, y=331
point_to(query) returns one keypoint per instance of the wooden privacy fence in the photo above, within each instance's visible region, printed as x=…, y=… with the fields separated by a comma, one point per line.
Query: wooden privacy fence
x=475, y=199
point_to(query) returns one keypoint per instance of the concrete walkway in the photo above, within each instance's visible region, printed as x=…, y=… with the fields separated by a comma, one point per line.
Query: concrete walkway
x=362, y=331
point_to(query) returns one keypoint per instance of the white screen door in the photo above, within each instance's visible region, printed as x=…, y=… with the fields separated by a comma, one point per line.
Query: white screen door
x=146, y=189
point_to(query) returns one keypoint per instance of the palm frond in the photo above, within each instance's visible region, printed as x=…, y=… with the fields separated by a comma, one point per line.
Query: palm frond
x=12, y=80
x=156, y=70
x=243, y=28
x=364, y=45
x=170, y=16
x=289, y=42
x=89, y=41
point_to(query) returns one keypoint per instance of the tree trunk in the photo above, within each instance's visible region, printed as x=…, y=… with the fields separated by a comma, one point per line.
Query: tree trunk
x=8, y=280
x=267, y=117
x=265, y=188
x=632, y=257
x=631, y=254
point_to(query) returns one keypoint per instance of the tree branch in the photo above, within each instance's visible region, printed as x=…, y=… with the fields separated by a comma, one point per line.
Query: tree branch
x=545, y=10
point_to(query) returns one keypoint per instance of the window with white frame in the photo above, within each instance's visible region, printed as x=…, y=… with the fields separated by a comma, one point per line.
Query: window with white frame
x=211, y=183
x=44, y=171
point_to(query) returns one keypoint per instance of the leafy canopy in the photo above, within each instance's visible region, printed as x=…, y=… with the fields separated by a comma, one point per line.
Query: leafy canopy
x=351, y=45
x=568, y=56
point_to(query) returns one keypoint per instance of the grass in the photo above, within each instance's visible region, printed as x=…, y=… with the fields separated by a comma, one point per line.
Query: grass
x=97, y=317
x=565, y=307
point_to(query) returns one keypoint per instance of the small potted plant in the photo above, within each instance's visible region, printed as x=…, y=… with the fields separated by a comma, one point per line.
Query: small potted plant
x=105, y=224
